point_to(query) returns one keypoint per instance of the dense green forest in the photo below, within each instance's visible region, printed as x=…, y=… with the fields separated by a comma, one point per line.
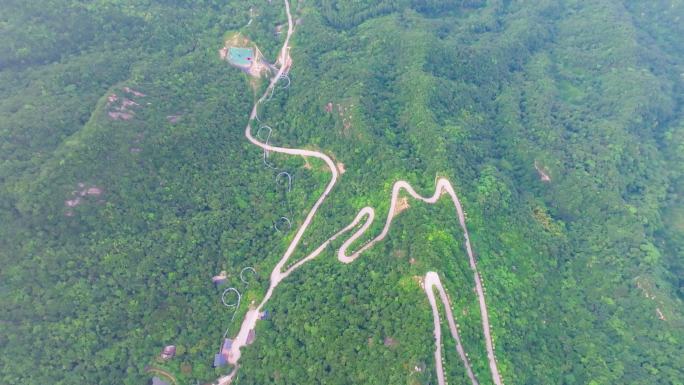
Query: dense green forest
x=126, y=183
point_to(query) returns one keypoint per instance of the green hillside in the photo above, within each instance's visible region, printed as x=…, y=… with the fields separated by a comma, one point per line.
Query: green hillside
x=126, y=183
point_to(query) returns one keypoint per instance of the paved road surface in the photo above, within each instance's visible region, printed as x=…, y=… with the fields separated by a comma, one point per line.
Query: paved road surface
x=431, y=281
x=277, y=275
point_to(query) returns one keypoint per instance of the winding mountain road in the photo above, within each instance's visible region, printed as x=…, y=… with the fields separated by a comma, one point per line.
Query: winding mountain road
x=430, y=283
x=277, y=275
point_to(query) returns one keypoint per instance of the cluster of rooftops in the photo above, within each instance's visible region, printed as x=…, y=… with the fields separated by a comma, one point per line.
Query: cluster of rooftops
x=221, y=358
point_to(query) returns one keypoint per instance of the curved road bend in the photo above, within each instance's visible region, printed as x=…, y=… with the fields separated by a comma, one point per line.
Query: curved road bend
x=443, y=185
x=432, y=281
x=277, y=275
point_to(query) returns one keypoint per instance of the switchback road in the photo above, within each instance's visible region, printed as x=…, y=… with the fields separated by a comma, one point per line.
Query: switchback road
x=277, y=275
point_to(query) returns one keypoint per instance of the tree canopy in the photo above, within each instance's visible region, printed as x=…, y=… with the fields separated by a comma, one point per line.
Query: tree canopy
x=126, y=183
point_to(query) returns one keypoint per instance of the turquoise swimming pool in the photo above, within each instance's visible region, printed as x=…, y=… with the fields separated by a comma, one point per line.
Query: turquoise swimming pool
x=241, y=56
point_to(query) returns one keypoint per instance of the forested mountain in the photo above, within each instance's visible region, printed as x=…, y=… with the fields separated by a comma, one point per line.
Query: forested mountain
x=126, y=183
